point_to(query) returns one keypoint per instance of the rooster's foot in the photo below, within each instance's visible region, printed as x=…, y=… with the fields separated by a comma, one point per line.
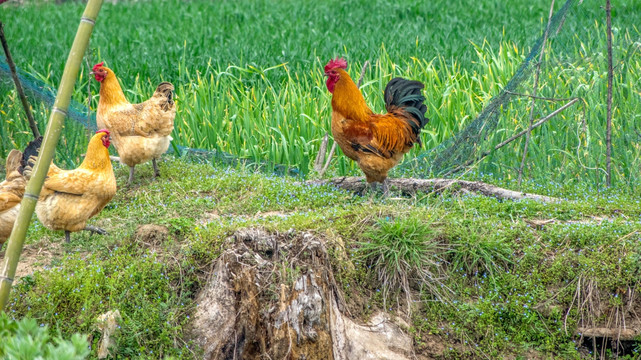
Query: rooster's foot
x=370, y=188
x=385, y=188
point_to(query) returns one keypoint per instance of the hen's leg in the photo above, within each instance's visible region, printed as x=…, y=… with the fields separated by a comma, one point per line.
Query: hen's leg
x=156, y=171
x=67, y=236
x=95, y=229
x=131, y=175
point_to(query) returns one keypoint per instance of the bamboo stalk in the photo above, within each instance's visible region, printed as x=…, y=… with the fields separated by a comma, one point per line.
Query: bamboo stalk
x=47, y=151
x=608, y=134
x=16, y=81
x=536, y=85
x=88, y=62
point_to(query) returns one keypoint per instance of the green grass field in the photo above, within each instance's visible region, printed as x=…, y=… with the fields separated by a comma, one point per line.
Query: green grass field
x=513, y=285
x=249, y=81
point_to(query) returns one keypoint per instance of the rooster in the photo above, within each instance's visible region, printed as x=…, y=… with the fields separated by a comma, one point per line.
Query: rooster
x=71, y=197
x=12, y=188
x=377, y=142
x=140, y=132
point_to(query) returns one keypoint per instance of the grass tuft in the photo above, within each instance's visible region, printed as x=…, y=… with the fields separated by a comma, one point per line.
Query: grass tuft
x=404, y=253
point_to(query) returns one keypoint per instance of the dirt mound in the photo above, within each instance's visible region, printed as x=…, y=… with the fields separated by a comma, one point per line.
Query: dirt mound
x=151, y=235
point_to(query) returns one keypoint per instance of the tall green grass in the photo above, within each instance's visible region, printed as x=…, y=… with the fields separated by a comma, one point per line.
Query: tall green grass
x=249, y=81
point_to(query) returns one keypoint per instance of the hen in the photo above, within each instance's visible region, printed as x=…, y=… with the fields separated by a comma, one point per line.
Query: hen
x=140, y=132
x=377, y=142
x=71, y=197
x=12, y=188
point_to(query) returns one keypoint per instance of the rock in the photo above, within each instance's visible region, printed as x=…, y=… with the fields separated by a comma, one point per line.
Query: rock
x=108, y=324
x=379, y=339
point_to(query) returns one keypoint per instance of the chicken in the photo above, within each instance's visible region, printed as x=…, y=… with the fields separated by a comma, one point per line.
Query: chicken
x=71, y=197
x=140, y=132
x=12, y=188
x=377, y=142
x=11, y=191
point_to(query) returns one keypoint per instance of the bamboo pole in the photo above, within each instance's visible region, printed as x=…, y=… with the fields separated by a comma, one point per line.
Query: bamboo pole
x=88, y=62
x=16, y=81
x=608, y=134
x=52, y=134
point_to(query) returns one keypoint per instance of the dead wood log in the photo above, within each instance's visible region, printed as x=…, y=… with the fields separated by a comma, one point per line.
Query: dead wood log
x=610, y=333
x=410, y=185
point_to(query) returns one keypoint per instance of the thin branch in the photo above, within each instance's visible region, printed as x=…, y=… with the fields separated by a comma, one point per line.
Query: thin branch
x=360, y=80
x=320, y=158
x=536, y=85
x=329, y=158
x=16, y=80
x=537, y=97
x=608, y=136
x=637, y=132
x=534, y=126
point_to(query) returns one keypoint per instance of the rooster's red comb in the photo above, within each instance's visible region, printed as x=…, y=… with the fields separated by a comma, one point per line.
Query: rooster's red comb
x=103, y=131
x=98, y=66
x=336, y=63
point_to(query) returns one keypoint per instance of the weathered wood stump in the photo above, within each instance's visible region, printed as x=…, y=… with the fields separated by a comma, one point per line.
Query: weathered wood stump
x=274, y=296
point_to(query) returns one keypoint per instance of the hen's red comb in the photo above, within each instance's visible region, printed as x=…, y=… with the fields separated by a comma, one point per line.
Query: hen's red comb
x=98, y=66
x=336, y=63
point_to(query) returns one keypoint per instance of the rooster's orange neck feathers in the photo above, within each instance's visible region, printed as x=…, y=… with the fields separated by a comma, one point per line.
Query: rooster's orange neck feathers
x=348, y=100
x=97, y=155
x=110, y=90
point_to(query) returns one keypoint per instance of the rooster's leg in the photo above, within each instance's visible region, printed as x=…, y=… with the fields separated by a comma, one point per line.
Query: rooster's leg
x=372, y=189
x=131, y=175
x=95, y=229
x=385, y=188
x=67, y=236
x=156, y=171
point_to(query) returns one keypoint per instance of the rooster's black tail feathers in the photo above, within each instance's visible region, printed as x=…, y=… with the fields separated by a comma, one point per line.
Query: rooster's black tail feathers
x=406, y=95
x=31, y=150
